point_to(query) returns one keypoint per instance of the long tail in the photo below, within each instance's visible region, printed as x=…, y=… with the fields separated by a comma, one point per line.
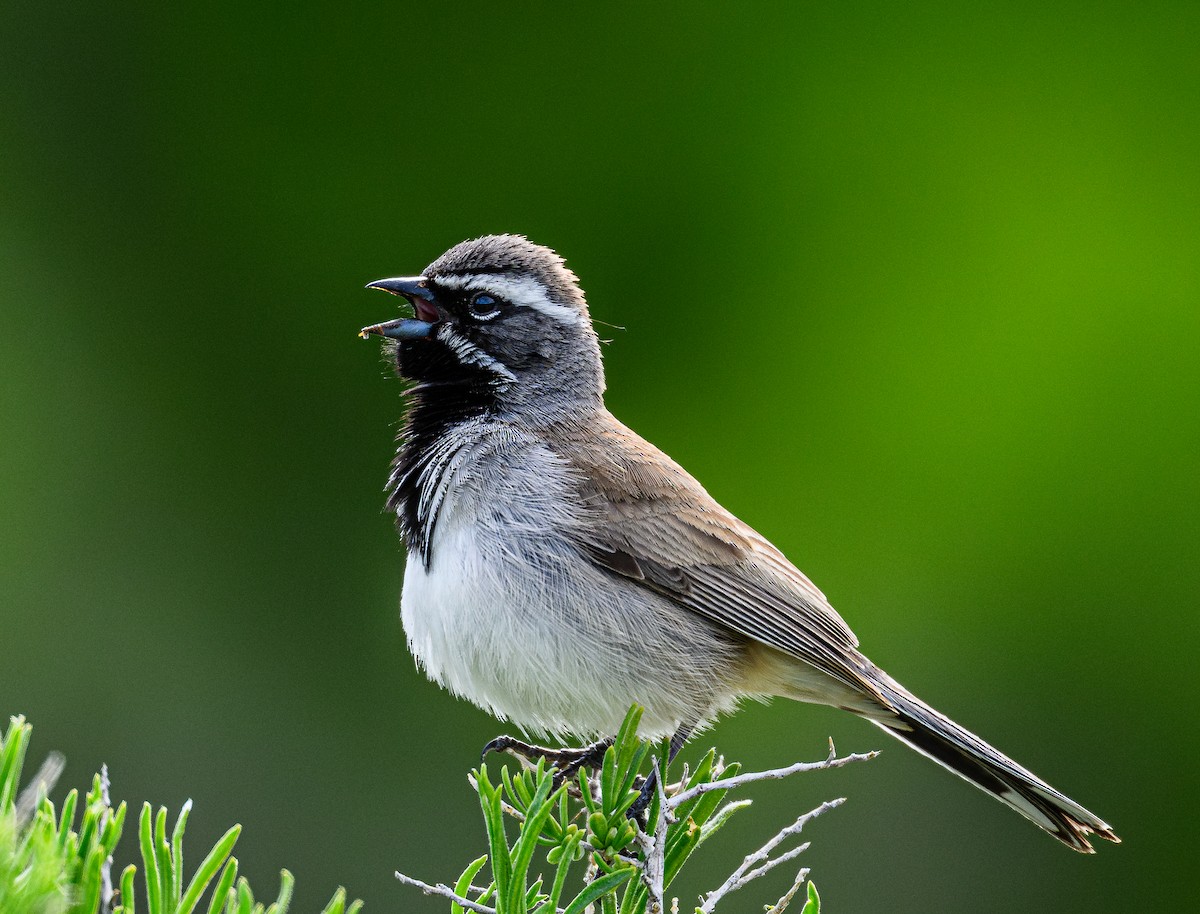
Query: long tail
x=941, y=739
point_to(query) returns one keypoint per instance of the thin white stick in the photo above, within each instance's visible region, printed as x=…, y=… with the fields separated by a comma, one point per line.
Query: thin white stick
x=654, y=850
x=446, y=892
x=759, y=862
x=769, y=775
x=106, y=886
x=782, y=858
x=589, y=876
x=786, y=899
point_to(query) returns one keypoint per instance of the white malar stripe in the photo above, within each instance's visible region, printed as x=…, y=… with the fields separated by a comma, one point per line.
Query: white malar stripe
x=524, y=291
x=470, y=354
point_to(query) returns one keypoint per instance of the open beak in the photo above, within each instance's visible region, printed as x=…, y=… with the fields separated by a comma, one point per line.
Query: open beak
x=416, y=290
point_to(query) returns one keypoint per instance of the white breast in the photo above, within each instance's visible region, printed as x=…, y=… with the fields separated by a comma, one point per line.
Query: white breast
x=511, y=617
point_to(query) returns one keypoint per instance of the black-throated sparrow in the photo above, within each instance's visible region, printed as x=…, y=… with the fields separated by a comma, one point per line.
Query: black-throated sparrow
x=561, y=568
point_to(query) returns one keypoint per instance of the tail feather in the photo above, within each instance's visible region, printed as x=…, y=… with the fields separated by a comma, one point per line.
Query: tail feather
x=936, y=736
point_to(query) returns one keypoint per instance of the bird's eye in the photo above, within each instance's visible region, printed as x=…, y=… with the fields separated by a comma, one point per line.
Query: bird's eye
x=484, y=306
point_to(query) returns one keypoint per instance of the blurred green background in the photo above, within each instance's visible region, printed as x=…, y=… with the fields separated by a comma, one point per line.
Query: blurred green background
x=914, y=290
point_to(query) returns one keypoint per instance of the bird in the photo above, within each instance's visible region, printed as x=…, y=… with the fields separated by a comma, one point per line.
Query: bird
x=560, y=568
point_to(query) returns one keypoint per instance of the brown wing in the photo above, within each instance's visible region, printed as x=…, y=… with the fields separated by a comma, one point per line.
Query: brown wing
x=653, y=523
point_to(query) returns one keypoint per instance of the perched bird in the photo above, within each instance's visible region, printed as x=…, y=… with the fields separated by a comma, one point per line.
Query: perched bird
x=561, y=568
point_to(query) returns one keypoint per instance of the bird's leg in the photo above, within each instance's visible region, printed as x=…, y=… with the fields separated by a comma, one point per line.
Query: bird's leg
x=566, y=761
x=638, y=809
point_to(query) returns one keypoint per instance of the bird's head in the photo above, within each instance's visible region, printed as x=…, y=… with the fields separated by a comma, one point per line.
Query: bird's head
x=499, y=312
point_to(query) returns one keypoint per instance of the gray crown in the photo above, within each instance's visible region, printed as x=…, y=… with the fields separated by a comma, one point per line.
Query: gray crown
x=512, y=255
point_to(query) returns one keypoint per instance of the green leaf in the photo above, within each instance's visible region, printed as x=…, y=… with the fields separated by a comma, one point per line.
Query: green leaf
x=506, y=784
x=585, y=791
x=597, y=888
x=534, y=896
x=221, y=894
x=813, y=905
x=682, y=839
x=245, y=898
x=541, y=805
x=149, y=862
x=166, y=871
x=709, y=828
x=626, y=739
x=627, y=774
x=88, y=828
x=208, y=869
x=68, y=818
x=463, y=886
x=493, y=818
x=128, y=901
x=567, y=855
x=286, y=883
x=177, y=856
x=608, y=779
x=706, y=804
x=12, y=758
x=653, y=808
x=522, y=785
x=89, y=884
x=336, y=903
x=113, y=829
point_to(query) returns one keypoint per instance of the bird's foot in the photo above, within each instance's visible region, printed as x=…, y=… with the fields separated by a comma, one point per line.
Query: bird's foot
x=566, y=761
x=637, y=811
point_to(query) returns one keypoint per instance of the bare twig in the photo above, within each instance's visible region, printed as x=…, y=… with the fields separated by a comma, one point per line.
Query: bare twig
x=589, y=875
x=106, y=886
x=782, y=858
x=654, y=850
x=759, y=863
x=771, y=774
x=446, y=892
x=786, y=899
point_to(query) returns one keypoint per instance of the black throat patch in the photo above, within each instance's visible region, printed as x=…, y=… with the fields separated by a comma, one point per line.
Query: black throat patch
x=449, y=395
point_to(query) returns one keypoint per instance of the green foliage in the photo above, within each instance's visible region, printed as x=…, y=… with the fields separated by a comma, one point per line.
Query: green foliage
x=582, y=832
x=813, y=905
x=47, y=866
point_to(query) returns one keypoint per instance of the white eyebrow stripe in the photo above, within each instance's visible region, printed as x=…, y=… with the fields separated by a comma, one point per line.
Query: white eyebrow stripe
x=522, y=291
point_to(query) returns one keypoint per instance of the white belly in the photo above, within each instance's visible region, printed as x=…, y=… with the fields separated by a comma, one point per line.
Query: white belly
x=557, y=647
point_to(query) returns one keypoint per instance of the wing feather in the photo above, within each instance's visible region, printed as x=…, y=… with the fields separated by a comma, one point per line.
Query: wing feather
x=650, y=522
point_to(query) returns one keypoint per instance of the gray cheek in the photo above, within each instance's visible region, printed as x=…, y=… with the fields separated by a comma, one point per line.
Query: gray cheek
x=546, y=342
x=520, y=342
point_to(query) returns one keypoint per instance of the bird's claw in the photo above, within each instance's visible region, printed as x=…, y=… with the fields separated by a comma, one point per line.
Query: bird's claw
x=566, y=761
